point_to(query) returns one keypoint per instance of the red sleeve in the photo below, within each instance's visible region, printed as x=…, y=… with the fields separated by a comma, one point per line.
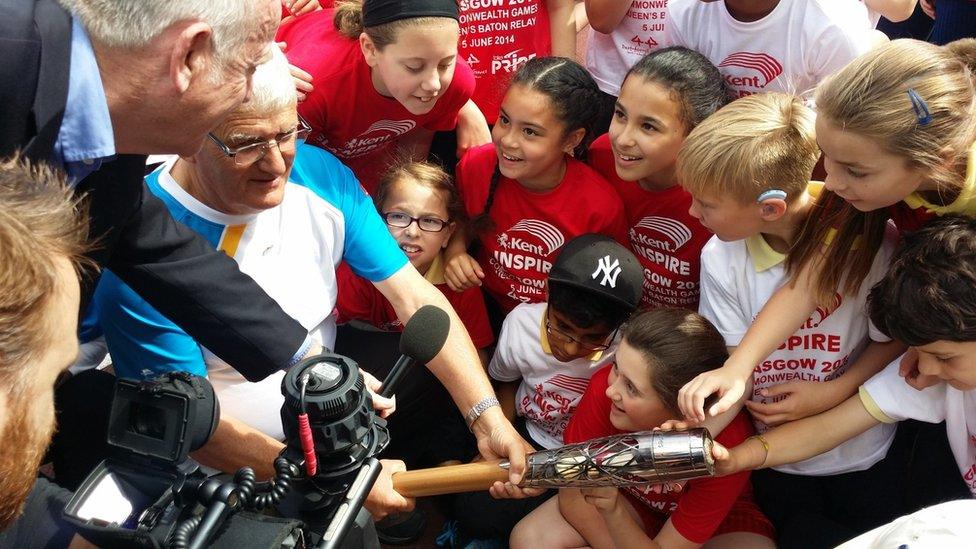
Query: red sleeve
x=355, y=300
x=592, y=416
x=618, y=224
x=457, y=94
x=470, y=307
x=604, y=199
x=707, y=501
x=473, y=176
x=600, y=157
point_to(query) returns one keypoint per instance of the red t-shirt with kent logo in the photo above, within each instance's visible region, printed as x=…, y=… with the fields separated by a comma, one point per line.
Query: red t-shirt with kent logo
x=700, y=508
x=530, y=227
x=662, y=234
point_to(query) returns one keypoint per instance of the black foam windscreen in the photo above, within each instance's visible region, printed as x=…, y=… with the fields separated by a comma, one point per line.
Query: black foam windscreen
x=425, y=333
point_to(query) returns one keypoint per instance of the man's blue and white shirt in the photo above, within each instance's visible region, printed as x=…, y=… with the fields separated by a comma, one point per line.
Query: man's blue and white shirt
x=291, y=250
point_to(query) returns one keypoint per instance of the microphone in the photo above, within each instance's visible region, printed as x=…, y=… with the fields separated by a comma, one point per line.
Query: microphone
x=422, y=338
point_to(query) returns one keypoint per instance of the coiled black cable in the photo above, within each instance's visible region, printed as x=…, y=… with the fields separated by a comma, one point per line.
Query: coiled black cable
x=285, y=472
x=180, y=538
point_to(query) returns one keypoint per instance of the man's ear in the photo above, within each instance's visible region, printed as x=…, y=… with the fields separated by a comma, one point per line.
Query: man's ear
x=191, y=54
x=369, y=49
x=573, y=140
x=772, y=209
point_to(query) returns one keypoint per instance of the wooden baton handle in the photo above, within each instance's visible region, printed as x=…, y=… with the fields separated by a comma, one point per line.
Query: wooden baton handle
x=452, y=479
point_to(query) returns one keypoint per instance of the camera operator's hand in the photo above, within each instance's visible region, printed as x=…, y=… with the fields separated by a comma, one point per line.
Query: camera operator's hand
x=383, y=499
x=384, y=406
x=498, y=439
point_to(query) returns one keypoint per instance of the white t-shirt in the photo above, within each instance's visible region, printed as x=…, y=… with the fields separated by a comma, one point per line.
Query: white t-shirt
x=290, y=250
x=550, y=389
x=888, y=398
x=790, y=50
x=737, y=279
x=610, y=56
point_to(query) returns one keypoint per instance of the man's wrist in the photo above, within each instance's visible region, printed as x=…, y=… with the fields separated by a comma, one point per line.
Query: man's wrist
x=480, y=409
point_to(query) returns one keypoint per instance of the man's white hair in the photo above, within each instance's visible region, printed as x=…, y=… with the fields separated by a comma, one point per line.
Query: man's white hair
x=133, y=23
x=273, y=89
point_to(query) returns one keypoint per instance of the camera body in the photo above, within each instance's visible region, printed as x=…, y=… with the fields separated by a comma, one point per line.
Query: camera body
x=137, y=496
x=149, y=493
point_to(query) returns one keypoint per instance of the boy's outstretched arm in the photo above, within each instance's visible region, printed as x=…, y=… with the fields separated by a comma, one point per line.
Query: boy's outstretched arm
x=798, y=440
x=807, y=398
x=780, y=318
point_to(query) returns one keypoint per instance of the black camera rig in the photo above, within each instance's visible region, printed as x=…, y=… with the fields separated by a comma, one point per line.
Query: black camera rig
x=151, y=494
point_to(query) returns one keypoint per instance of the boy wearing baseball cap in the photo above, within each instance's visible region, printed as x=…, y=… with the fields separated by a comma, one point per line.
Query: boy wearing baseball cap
x=547, y=353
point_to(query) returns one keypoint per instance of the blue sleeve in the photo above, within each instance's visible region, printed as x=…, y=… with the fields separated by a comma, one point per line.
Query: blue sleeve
x=143, y=343
x=369, y=248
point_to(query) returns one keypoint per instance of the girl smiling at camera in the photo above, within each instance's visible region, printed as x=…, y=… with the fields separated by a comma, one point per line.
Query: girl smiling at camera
x=528, y=193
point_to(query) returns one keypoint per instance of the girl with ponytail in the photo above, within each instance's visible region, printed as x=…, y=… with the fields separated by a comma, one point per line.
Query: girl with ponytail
x=386, y=76
x=529, y=192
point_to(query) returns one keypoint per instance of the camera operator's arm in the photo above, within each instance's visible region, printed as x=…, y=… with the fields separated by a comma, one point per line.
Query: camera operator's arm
x=236, y=444
x=459, y=369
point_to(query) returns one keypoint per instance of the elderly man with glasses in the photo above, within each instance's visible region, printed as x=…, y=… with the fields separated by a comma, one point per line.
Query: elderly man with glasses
x=288, y=213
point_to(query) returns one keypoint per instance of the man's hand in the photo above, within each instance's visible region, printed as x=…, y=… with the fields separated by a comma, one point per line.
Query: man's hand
x=462, y=272
x=804, y=398
x=928, y=6
x=725, y=382
x=908, y=369
x=383, y=405
x=498, y=439
x=383, y=499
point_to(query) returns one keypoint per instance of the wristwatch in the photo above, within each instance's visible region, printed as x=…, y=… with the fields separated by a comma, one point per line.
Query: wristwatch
x=475, y=412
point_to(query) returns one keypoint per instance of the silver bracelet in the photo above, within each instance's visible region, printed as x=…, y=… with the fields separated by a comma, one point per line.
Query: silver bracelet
x=475, y=412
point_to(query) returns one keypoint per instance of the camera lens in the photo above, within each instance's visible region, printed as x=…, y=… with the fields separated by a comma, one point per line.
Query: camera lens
x=147, y=421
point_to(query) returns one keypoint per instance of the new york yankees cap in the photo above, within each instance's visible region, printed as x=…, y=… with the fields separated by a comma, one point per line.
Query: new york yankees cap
x=597, y=264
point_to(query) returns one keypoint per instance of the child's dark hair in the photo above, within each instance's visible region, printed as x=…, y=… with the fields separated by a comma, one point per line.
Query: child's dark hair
x=573, y=95
x=695, y=83
x=678, y=344
x=585, y=309
x=928, y=293
x=426, y=174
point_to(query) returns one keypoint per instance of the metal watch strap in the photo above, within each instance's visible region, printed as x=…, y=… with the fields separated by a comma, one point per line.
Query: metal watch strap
x=475, y=412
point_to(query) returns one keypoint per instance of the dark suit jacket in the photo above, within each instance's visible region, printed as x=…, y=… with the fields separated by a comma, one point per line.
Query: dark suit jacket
x=169, y=265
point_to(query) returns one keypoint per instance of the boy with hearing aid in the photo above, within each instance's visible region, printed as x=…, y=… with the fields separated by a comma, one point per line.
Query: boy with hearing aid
x=926, y=300
x=747, y=168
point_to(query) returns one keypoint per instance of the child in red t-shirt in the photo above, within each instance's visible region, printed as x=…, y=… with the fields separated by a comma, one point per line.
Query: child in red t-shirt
x=661, y=349
x=528, y=193
x=383, y=83
x=422, y=208
x=664, y=96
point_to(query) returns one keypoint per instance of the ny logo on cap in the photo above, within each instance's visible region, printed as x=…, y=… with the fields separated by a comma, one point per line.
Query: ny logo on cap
x=610, y=271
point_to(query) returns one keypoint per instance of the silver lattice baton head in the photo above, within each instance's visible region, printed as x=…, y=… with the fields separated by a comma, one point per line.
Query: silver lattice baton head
x=649, y=457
